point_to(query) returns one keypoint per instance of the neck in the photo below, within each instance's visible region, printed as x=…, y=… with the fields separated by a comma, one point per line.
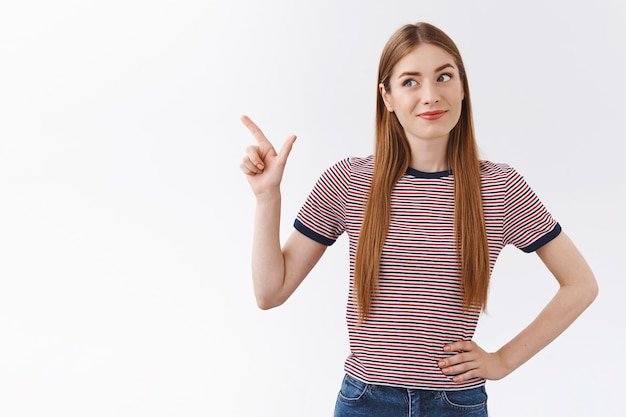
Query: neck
x=429, y=155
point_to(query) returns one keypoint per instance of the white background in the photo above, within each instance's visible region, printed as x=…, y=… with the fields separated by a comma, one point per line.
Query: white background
x=125, y=223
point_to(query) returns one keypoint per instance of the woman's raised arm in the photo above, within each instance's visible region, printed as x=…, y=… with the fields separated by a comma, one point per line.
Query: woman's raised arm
x=276, y=271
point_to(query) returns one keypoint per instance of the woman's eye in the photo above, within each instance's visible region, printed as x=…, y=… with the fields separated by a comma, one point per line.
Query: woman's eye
x=444, y=78
x=410, y=83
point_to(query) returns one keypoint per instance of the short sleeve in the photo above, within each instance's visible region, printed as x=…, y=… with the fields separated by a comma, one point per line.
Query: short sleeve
x=527, y=223
x=322, y=217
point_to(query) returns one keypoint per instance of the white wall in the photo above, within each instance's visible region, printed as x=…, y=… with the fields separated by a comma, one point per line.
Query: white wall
x=125, y=223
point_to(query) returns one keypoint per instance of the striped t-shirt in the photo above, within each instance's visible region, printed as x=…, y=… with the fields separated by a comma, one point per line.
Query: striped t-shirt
x=418, y=307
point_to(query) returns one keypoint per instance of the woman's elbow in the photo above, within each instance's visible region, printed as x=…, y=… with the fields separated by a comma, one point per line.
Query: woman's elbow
x=592, y=289
x=588, y=290
x=267, y=303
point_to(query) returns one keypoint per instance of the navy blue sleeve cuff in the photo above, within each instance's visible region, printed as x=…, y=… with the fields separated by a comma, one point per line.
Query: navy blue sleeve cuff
x=311, y=234
x=543, y=239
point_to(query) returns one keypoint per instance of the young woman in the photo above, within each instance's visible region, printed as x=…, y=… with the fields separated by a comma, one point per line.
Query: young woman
x=426, y=220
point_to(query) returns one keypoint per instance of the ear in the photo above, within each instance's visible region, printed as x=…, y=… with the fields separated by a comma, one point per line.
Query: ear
x=385, y=96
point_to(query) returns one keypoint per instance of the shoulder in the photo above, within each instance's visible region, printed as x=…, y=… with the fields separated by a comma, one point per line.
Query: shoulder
x=492, y=172
x=345, y=172
x=490, y=169
x=500, y=178
x=361, y=163
x=353, y=164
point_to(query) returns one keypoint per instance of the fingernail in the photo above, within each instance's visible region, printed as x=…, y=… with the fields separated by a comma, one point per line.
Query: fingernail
x=260, y=166
x=446, y=348
x=441, y=363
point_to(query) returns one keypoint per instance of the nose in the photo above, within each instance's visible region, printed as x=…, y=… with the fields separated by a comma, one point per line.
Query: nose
x=430, y=93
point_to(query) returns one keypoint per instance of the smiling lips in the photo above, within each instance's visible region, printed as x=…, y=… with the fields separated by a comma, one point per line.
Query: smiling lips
x=432, y=115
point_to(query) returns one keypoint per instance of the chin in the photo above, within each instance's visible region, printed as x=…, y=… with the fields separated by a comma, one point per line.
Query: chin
x=439, y=134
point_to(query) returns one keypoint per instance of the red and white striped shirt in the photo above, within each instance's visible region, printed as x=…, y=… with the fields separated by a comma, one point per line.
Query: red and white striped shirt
x=418, y=307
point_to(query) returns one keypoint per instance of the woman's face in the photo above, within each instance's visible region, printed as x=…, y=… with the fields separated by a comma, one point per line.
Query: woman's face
x=425, y=93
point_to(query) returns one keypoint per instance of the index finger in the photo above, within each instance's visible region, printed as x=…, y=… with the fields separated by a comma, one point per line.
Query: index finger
x=459, y=346
x=255, y=130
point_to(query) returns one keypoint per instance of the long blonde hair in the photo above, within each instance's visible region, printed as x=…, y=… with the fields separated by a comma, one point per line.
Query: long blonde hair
x=391, y=160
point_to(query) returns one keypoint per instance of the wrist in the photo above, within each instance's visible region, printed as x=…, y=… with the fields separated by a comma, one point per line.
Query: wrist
x=507, y=364
x=269, y=196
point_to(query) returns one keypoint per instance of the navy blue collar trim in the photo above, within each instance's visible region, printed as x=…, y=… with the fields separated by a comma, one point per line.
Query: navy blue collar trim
x=428, y=175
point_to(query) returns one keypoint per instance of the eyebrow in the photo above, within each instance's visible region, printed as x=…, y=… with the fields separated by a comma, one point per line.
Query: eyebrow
x=417, y=74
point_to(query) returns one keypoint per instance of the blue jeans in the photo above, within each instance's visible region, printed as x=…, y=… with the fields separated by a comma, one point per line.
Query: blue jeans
x=357, y=399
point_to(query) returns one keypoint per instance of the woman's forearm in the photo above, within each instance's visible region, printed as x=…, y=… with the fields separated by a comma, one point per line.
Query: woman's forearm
x=577, y=289
x=568, y=303
x=268, y=265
